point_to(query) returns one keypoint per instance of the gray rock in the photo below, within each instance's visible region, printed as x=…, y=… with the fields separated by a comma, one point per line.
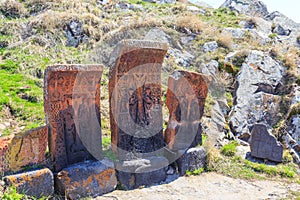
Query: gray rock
x=237, y=33
x=140, y=172
x=159, y=35
x=255, y=96
x=91, y=178
x=248, y=7
x=195, y=9
x=36, y=183
x=200, y=3
x=75, y=34
x=186, y=40
x=192, y=159
x=182, y=58
x=281, y=31
x=210, y=68
x=264, y=145
x=161, y=1
x=210, y=46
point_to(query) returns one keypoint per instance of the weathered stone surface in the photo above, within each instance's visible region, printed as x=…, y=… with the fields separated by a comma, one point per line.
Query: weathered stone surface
x=72, y=107
x=255, y=97
x=248, y=7
x=135, y=97
x=264, y=145
x=75, y=34
x=210, y=46
x=36, y=183
x=28, y=148
x=139, y=172
x=86, y=179
x=191, y=160
x=185, y=100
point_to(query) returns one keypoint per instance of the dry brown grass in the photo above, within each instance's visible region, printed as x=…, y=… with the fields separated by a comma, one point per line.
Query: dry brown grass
x=13, y=9
x=190, y=22
x=225, y=40
x=290, y=60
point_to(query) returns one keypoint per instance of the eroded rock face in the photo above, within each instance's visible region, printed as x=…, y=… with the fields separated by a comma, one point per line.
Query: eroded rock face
x=255, y=97
x=135, y=98
x=248, y=7
x=24, y=149
x=72, y=107
x=36, y=183
x=86, y=179
x=264, y=145
x=185, y=100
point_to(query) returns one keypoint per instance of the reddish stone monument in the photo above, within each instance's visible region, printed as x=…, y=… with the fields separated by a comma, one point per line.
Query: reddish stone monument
x=185, y=100
x=72, y=107
x=24, y=149
x=135, y=97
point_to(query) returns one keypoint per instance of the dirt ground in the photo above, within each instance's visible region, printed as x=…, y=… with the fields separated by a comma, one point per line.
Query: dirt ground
x=209, y=186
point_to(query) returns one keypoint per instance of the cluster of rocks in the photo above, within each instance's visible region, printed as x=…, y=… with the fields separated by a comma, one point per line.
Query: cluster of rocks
x=72, y=106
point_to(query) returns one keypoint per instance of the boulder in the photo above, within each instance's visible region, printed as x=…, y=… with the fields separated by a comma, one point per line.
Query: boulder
x=182, y=58
x=210, y=46
x=247, y=7
x=281, y=31
x=91, y=178
x=256, y=98
x=192, y=159
x=75, y=34
x=36, y=183
x=140, y=172
x=264, y=145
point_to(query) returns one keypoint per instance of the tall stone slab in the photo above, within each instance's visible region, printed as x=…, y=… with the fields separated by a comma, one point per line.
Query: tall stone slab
x=135, y=97
x=264, y=145
x=186, y=96
x=72, y=107
x=24, y=149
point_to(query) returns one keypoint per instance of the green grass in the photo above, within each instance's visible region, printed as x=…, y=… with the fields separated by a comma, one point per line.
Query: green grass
x=229, y=149
x=106, y=141
x=195, y=172
x=13, y=90
x=12, y=194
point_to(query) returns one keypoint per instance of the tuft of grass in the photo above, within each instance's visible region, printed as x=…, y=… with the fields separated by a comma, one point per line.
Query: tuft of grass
x=229, y=149
x=273, y=35
x=12, y=194
x=225, y=40
x=190, y=22
x=106, y=141
x=12, y=9
x=195, y=172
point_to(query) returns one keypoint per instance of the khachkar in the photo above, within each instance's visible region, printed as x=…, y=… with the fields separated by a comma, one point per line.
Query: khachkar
x=185, y=100
x=135, y=97
x=72, y=107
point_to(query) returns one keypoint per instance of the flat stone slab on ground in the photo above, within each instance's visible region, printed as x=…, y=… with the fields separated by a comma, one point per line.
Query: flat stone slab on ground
x=191, y=160
x=141, y=172
x=91, y=178
x=36, y=183
x=264, y=145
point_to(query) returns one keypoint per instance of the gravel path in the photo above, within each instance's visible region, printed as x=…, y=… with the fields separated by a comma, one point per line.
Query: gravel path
x=208, y=186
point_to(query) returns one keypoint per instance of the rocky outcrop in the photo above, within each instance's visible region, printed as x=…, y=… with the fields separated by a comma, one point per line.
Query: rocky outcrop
x=264, y=145
x=256, y=94
x=210, y=46
x=248, y=7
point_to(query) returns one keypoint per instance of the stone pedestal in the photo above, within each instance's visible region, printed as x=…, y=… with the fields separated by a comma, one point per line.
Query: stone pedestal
x=141, y=172
x=86, y=179
x=36, y=183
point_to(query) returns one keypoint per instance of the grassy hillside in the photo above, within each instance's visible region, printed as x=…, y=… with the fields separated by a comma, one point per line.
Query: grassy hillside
x=33, y=34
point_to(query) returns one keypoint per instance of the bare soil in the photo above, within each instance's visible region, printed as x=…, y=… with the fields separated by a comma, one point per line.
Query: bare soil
x=210, y=186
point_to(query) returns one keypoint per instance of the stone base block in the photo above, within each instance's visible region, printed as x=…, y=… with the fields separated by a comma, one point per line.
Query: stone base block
x=92, y=178
x=191, y=160
x=141, y=172
x=36, y=183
